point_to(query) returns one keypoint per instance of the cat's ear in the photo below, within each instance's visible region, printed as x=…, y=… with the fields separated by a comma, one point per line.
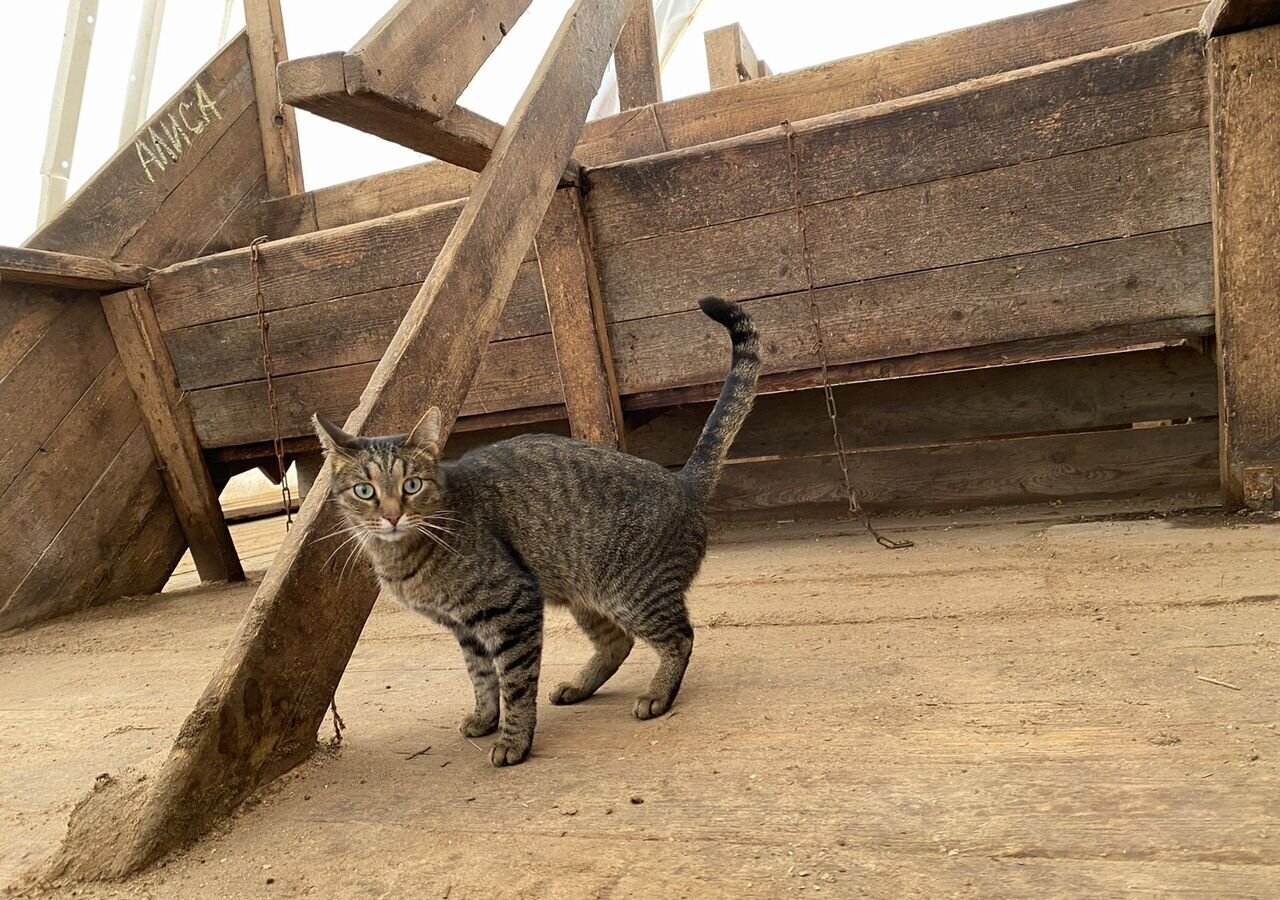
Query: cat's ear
x=332, y=438
x=426, y=434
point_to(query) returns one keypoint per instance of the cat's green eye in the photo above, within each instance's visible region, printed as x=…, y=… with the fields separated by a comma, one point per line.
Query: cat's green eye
x=363, y=490
x=412, y=485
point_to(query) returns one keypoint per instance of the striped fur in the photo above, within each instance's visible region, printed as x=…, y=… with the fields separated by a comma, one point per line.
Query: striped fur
x=488, y=540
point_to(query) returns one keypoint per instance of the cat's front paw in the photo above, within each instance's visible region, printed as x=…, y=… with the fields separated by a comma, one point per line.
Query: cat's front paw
x=476, y=725
x=648, y=707
x=506, y=752
x=567, y=693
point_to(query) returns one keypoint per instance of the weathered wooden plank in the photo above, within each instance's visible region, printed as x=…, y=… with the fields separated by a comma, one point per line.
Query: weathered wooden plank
x=1147, y=462
x=920, y=66
x=386, y=252
x=1244, y=71
x=26, y=314
x=49, y=380
x=636, y=61
x=277, y=124
x=1155, y=184
x=1057, y=292
x=1101, y=99
x=1109, y=391
x=317, y=84
x=145, y=360
x=730, y=58
x=142, y=206
x=339, y=332
x=197, y=206
x=258, y=716
x=577, y=321
x=513, y=374
x=1227, y=16
x=43, y=495
x=390, y=192
x=126, y=504
x=23, y=265
x=113, y=205
x=1187, y=331
x=425, y=52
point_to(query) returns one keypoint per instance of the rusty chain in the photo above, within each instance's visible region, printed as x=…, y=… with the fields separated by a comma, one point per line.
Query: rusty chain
x=264, y=327
x=802, y=226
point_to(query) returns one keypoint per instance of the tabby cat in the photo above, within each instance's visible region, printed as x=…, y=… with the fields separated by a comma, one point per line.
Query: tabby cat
x=480, y=544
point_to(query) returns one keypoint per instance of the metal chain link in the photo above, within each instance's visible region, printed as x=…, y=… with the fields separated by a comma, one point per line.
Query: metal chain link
x=264, y=327
x=802, y=226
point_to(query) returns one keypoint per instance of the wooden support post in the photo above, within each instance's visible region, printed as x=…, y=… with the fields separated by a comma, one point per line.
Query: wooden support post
x=730, y=59
x=264, y=25
x=1244, y=97
x=173, y=436
x=259, y=715
x=308, y=466
x=1225, y=16
x=577, y=322
x=636, y=60
x=26, y=266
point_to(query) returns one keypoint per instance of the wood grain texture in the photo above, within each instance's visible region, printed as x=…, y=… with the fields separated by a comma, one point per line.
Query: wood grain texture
x=1245, y=86
x=1128, y=462
x=636, y=61
x=328, y=333
x=145, y=360
x=577, y=322
x=424, y=53
x=120, y=534
x=730, y=58
x=1227, y=16
x=1069, y=291
x=23, y=265
x=1116, y=390
x=1101, y=99
x=258, y=716
x=264, y=27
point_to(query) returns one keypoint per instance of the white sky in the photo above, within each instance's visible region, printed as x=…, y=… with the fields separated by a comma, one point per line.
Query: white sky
x=789, y=34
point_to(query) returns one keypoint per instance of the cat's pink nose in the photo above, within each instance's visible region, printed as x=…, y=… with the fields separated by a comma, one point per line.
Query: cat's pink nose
x=392, y=519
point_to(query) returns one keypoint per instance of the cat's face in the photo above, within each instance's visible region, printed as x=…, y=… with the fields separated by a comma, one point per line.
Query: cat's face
x=385, y=486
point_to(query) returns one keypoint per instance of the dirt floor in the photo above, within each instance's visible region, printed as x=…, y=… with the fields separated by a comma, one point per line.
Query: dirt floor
x=1008, y=709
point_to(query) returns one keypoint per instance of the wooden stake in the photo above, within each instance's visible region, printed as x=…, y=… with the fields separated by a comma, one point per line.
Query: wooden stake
x=264, y=25
x=1244, y=97
x=173, y=436
x=577, y=322
x=259, y=715
x=636, y=59
x=27, y=266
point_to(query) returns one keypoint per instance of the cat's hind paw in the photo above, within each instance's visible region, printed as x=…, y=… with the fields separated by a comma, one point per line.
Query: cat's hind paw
x=478, y=726
x=648, y=707
x=567, y=693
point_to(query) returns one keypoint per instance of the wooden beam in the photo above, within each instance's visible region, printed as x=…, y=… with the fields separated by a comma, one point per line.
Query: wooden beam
x=636, y=60
x=1227, y=16
x=730, y=59
x=26, y=266
x=264, y=25
x=423, y=53
x=318, y=85
x=173, y=436
x=1244, y=90
x=577, y=321
x=259, y=715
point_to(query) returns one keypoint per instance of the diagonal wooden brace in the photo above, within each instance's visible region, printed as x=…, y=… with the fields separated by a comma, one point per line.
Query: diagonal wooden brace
x=259, y=715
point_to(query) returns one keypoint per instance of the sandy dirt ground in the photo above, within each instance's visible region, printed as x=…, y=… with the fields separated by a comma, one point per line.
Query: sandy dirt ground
x=1008, y=709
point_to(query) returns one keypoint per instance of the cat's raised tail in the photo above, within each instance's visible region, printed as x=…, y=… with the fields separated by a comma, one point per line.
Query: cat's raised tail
x=703, y=468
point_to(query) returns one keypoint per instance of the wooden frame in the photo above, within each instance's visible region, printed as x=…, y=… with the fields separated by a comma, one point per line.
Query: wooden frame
x=636, y=61
x=24, y=265
x=730, y=59
x=264, y=24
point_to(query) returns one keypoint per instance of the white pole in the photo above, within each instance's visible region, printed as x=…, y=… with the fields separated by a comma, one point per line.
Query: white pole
x=138, y=91
x=64, y=110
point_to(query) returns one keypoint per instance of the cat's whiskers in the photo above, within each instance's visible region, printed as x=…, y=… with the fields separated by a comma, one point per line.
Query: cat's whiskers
x=353, y=554
x=354, y=537
x=349, y=528
x=426, y=532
